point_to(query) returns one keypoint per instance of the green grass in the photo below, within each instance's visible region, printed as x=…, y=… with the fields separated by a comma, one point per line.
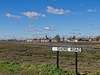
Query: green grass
x=46, y=69
x=32, y=69
x=35, y=69
x=96, y=73
x=7, y=67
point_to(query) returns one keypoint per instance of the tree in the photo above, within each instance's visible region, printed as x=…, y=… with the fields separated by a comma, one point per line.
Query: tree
x=73, y=37
x=57, y=38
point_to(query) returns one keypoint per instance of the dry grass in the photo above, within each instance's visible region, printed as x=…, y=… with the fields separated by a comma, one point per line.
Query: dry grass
x=96, y=47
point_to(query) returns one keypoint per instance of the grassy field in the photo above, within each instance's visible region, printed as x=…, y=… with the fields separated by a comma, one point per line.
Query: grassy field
x=35, y=59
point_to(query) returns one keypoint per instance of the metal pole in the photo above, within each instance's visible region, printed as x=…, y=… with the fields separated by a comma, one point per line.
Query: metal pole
x=76, y=61
x=57, y=59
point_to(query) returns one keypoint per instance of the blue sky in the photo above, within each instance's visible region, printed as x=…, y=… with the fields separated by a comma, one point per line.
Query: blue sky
x=27, y=19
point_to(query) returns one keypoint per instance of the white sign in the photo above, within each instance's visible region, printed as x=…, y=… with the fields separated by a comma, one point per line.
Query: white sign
x=70, y=49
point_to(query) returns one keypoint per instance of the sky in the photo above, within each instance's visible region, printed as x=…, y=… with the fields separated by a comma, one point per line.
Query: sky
x=28, y=19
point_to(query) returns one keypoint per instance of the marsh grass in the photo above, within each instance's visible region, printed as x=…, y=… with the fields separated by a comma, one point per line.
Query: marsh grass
x=40, y=54
x=96, y=46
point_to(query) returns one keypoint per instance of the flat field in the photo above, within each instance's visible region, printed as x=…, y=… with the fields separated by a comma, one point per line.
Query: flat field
x=39, y=54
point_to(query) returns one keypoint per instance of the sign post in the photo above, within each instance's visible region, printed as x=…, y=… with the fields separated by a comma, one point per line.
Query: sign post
x=76, y=61
x=57, y=59
x=69, y=49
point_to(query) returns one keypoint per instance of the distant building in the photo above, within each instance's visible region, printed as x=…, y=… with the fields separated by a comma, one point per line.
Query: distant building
x=69, y=40
x=54, y=40
x=75, y=40
x=61, y=39
x=58, y=39
x=29, y=40
x=96, y=38
x=65, y=40
x=45, y=40
x=90, y=39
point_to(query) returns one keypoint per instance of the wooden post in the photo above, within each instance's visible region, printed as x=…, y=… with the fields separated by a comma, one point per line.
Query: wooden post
x=57, y=59
x=76, y=61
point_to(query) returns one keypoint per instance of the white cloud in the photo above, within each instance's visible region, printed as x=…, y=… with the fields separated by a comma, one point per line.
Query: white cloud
x=32, y=31
x=57, y=11
x=89, y=36
x=30, y=26
x=76, y=33
x=33, y=15
x=91, y=24
x=26, y=30
x=74, y=29
x=37, y=30
x=96, y=28
x=38, y=35
x=52, y=26
x=14, y=16
x=47, y=28
x=8, y=36
x=43, y=15
x=90, y=10
x=91, y=33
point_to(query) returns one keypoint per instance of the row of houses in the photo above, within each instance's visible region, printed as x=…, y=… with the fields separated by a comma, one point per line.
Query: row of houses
x=46, y=39
x=58, y=39
x=41, y=40
x=52, y=40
